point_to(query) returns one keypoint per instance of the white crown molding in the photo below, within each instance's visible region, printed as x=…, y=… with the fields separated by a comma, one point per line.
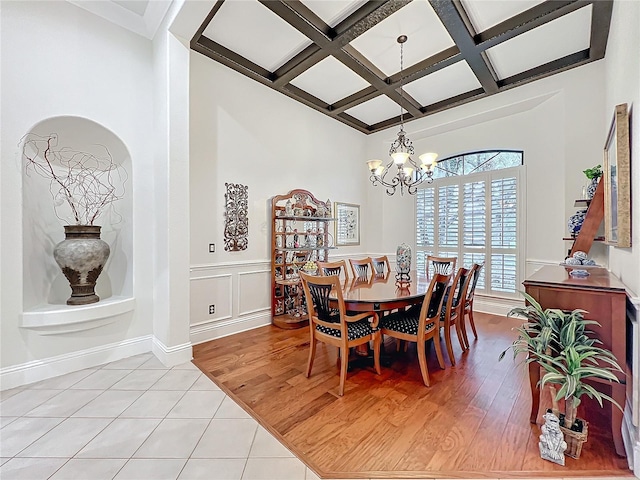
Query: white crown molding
x=146, y=25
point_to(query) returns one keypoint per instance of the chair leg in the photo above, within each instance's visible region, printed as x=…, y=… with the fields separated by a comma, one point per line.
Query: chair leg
x=447, y=339
x=436, y=344
x=312, y=354
x=377, y=341
x=422, y=360
x=344, y=364
x=473, y=325
x=463, y=329
x=460, y=334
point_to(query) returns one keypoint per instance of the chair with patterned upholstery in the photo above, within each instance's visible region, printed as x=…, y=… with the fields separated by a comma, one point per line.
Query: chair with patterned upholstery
x=468, y=302
x=452, y=315
x=334, y=268
x=420, y=325
x=361, y=268
x=333, y=326
x=441, y=265
x=380, y=265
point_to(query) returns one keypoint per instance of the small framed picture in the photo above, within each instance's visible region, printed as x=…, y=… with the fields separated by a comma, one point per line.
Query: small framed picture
x=347, y=224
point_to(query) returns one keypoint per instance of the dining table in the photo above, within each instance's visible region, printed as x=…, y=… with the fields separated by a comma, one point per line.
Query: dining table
x=380, y=294
x=383, y=293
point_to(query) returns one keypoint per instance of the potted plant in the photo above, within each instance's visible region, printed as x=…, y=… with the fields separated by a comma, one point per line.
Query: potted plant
x=593, y=174
x=561, y=344
x=83, y=185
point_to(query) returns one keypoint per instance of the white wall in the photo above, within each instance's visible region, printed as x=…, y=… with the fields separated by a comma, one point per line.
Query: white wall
x=622, y=85
x=622, y=80
x=244, y=132
x=58, y=59
x=557, y=121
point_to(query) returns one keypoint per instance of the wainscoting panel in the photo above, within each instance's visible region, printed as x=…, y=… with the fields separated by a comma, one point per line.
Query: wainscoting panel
x=240, y=294
x=253, y=291
x=206, y=290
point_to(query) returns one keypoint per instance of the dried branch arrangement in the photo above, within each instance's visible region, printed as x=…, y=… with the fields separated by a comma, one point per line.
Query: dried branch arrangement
x=85, y=182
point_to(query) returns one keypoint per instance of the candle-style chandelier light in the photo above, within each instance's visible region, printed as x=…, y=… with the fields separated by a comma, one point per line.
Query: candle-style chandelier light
x=408, y=174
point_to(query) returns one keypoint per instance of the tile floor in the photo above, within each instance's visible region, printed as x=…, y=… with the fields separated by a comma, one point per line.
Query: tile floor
x=136, y=419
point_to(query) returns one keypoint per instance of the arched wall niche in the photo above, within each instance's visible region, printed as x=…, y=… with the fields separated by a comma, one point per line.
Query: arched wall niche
x=45, y=287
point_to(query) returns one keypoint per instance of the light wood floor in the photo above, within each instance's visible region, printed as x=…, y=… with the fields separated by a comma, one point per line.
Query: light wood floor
x=473, y=422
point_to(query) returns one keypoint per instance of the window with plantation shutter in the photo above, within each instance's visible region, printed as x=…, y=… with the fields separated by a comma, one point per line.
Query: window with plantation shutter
x=448, y=216
x=474, y=214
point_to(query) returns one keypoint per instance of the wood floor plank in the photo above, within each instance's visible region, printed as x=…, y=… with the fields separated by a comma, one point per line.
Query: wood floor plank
x=473, y=422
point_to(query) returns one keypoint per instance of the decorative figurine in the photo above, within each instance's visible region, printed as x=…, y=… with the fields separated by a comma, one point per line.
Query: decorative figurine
x=552, y=444
x=288, y=209
x=296, y=244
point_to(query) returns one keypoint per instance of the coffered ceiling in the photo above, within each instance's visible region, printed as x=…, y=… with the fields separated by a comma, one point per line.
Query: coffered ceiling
x=341, y=57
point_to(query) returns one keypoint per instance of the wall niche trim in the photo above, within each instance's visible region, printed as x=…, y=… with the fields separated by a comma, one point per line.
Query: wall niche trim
x=60, y=319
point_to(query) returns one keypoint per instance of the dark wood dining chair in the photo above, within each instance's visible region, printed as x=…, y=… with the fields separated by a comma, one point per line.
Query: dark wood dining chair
x=334, y=268
x=420, y=325
x=333, y=326
x=361, y=268
x=380, y=265
x=441, y=265
x=468, y=302
x=452, y=315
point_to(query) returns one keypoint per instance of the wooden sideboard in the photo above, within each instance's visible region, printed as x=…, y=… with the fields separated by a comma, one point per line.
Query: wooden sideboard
x=603, y=296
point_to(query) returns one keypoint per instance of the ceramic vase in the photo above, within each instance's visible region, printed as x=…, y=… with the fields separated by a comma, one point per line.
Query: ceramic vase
x=591, y=188
x=575, y=222
x=82, y=256
x=403, y=261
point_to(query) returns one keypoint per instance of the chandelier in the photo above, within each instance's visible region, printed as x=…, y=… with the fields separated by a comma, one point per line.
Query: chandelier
x=408, y=174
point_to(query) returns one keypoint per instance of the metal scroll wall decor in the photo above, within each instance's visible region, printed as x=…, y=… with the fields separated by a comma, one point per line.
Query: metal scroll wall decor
x=236, y=224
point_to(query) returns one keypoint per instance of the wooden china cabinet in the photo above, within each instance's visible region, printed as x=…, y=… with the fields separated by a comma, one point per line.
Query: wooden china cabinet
x=300, y=237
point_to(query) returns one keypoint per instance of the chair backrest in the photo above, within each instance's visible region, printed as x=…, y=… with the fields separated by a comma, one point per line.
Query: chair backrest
x=475, y=275
x=441, y=265
x=334, y=268
x=316, y=291
x=380, y=265
x=361, y=267
x=457, y=294
x=433, y=300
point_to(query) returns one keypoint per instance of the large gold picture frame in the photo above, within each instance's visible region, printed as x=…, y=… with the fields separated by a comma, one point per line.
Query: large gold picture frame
x=617, y=178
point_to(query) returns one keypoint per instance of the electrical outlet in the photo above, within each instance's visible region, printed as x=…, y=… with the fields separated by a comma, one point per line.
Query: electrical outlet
x=212, y=248
x=212, y=309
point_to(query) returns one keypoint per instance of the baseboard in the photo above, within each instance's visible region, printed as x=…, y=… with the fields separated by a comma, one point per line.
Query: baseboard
x=210, y=331
x=630, y=438
x=495, y=305
x=37, y=370
x=172, y=356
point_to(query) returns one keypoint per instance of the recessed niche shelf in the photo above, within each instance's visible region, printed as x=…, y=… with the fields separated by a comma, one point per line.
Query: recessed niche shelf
x=57, y=319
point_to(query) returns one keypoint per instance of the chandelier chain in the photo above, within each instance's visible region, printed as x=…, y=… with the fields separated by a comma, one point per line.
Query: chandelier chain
x=401, y=86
